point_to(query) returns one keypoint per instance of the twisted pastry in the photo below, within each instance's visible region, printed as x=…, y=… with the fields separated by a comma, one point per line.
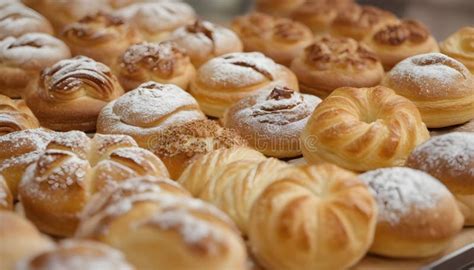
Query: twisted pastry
x=15, y=116
x=6, y=197
x=363, y=128
x=460, y=46
x=16, y=20
x=72, y=92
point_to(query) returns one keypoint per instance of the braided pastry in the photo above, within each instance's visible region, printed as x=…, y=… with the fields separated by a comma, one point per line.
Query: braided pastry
x=460, y=46
x=16, y=20
x=6, y=198
x=363, y=128
x=15, y=116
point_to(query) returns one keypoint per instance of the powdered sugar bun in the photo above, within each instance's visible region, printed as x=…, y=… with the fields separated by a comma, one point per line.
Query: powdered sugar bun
x=418, y=216
x=16, y=20
x=15, y=116
x=460, y=46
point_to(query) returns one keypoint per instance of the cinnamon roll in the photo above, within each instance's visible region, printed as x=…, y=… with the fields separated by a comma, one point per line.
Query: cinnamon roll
x=204, y=40
x=460, y=46
x=22, y=58
x=71, y=93
x=16, y=20
x=15, y=116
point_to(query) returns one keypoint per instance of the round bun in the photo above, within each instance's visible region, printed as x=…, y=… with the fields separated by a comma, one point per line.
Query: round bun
x=6, y=198
x=224, y=80
x=417, y=216
x=450, y=158
x=278, y=38
x=71, y=93
x=204, y=40
x=333, y=62
x=363, y=128
x=278, y=8
x=17, y=20
x=396, y=41
x=442, y=88
x=316, y=217
x=15, y=116
x=460, y=46
x=466, y=127
x=146, y=111
x=22, y=59
x=272, y=121
x=162, y=62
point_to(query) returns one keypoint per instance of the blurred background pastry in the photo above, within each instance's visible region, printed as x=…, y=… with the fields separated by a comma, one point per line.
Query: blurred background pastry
x=460, y=46
x=17, y=19
x=15, y=116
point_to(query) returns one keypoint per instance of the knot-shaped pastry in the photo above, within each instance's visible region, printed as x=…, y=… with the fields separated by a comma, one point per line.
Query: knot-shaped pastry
x=224, y=80
x=440, y=86
x=203, y=40
x=15, y=116
x=460, y=46
x=333, y=62
x=162, y=62
x=272, y=121
x=363, y=128
x=16, y=20
x=279, y=38
x=71, y=93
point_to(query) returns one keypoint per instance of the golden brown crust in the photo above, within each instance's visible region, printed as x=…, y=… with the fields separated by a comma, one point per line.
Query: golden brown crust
x=6, y=198
x=460, y=46
x=466, y=127
x=16, y=20
x=278, y=8
x=15, y=116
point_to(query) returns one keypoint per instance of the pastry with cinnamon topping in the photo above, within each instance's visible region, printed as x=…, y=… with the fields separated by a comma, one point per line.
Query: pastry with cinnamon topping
x=333, y=62
x=15, y=116
x=279, y=38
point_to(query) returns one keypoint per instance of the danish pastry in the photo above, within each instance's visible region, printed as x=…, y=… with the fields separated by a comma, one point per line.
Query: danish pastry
x=460, y=46
x=15, y=116
x=17, y=20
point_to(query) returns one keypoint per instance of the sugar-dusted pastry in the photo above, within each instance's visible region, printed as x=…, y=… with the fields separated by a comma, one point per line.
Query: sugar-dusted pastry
x=16, y=20
x=278, y=8
x=460, y=46
x=224, y=80
x=6, y=197
x=441, y=87
x=161, y=62
x=203, y=40
x=333, y=62
x=15, y=116
x=22, y=59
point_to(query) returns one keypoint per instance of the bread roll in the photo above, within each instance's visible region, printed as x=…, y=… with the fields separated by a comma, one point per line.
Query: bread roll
x=6, y=198
x=363, y=128
x=460, y=46
x=17, y=20
x=278, y=7
x=15, y=116
x=417, y=217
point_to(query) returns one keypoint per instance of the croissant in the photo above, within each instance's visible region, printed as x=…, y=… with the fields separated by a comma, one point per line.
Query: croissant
x=460, y=46
x=15, y=116
x=25, y=20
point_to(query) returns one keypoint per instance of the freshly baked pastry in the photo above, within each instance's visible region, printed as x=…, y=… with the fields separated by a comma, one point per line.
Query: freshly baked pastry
x=278, y=8
x=146, y=111
x=466, y=127
x=417, y=215
x=17, y=20
x=162, y=62
x=22, y=59
x=224, y=80
x=71, y=93
x=450, y=158
x=318, y=217
x=362, y=129
x=396, y=41
x=77, y=255
x=102, y=37
x=204, y=40
x=15, y=116
x=272, y=121
x=460, y=46
x=188, y=233
x=442, y=88
x=333, y=62
x=6, y=198
x=179, y=144
x=157, y=20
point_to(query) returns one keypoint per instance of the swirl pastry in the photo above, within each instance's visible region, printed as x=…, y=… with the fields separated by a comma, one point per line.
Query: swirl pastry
x=6, y=197
x=278, y=8
x=161, y=62
x=272, y=121
x=16, y=20
x=204, y=40
x=224, y=80
x=317, y=217
x=442, y=88
x=15, y=116
x=398, y=40
x=363, y=128
x=71, y=93
x=333, y=62
x=417, y=216
x=278, y=38
x=188, y=233
x=460, y=46
x=22, y=59
x=157, y=20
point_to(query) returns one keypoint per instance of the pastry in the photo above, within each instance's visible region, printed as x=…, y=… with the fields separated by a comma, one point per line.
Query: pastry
x=6, y=198
x=157, y=20
x=450, y=158
x=460, y=46
x=71, y=93
x=17, y=20
x=102, y=37
x=15, y=116
x=162, y=62
x=203, y=40
x=466, y=127
x=146, y=111
x=279, y=7
x=318, y=217
x=333, y=62
x=22, y=59
x=224, y=80
x=272, y=121
x=116, y=4
x=442, y=88
x=417, y=215
x=281, y=39
x=363, y=129
x=188, y=233
x=396, y=41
